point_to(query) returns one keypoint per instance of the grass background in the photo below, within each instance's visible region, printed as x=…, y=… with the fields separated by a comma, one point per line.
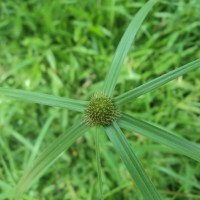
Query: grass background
x=64, y=48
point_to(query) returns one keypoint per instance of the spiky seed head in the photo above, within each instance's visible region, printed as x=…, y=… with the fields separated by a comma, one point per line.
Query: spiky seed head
x=101, y=111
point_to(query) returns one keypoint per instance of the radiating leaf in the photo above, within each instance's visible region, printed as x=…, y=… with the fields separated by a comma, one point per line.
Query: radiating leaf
x=124, y=47
x=47, y=157
x=159, y=135
x=157, y=82
x=132, y=163
x=44, y=99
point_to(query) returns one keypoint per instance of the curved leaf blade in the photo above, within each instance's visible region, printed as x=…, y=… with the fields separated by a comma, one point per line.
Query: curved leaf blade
x=132, y=163
x=159, y=135
x=47, y=158
x=45, y=99
x=124, y=47
x=155, y=83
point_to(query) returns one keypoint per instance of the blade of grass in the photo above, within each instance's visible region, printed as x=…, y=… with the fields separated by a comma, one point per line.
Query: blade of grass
x=9, y=164
x=117, y=190
x=41, y=137
x=159, y=135
x=45, y=99
x=155, y=83
x=124, y=47
x=19, y=138
x=180, y=177
x=47, y=158
x=132, y=163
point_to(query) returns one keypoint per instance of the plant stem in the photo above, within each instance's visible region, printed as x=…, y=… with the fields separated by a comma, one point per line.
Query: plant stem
x=98, y=163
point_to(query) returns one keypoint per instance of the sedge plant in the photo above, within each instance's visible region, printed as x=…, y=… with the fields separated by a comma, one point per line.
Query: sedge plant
x=103, y=110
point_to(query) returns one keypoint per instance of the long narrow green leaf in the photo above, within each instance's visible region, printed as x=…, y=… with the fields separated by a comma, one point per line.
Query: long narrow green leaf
x=45, y=99
x=179, y=144
x=124, y=47
x=132, y=163
x=157, y=82
x=48, y=157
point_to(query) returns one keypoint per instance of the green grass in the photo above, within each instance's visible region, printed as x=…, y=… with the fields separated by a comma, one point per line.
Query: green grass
x=65, y=48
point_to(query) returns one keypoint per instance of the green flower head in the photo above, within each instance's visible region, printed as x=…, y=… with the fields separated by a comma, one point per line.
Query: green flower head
x=101, y=110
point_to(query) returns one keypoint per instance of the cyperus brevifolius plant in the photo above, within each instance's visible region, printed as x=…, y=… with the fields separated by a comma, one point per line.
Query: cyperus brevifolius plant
x=104, y=110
